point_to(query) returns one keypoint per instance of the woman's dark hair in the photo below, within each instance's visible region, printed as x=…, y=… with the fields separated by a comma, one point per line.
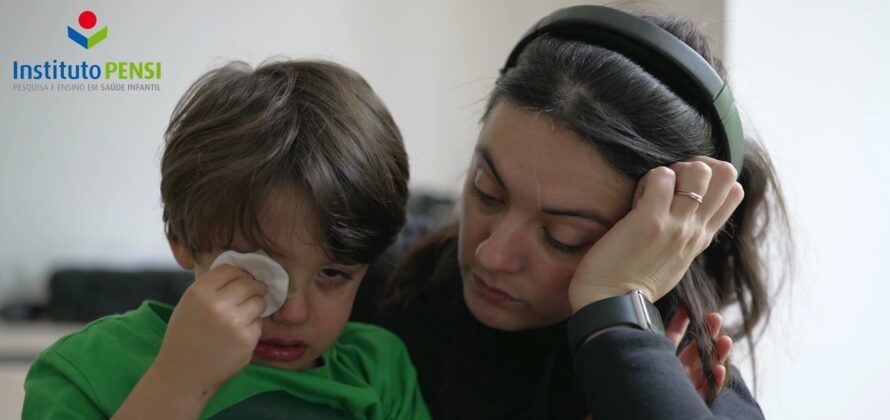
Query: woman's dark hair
x=638, y=123
x=239, y=135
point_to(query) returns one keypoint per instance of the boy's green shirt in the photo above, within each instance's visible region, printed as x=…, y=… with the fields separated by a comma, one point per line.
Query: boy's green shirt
x=366, y=374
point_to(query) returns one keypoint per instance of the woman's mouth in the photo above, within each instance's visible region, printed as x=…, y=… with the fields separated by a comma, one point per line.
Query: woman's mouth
x=491, y=294
x=280, y=350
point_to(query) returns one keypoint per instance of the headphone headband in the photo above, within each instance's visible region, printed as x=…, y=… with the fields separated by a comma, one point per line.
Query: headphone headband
x=660, y=54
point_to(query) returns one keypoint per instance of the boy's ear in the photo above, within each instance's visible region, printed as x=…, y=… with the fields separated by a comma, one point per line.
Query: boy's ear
x=183, y=258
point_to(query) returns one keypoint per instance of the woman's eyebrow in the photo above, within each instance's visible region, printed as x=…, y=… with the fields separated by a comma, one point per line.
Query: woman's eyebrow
x=486, y=156
x=586, y=214
x=594, y=215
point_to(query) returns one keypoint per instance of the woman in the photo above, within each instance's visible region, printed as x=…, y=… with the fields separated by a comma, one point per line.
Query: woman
x=593, y=182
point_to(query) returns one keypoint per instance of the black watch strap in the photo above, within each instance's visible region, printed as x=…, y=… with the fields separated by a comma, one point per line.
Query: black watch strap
x=632, y=309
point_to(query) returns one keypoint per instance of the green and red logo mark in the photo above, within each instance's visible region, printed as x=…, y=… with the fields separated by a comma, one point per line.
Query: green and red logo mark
x=87, y=21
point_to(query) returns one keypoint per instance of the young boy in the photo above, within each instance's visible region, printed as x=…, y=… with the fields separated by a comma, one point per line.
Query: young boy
x=302, y=162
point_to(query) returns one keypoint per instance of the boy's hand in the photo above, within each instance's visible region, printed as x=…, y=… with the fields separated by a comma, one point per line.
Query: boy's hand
x=214, y=329
x=210, y=338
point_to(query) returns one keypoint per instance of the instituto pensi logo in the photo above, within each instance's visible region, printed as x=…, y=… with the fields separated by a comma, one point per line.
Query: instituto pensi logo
x=87, y=21
x=78, y=73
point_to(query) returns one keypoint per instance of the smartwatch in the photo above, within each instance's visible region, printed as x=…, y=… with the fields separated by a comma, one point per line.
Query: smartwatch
x=632, y=309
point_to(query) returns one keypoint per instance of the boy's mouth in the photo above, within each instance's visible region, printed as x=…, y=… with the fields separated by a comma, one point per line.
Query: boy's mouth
x=280, y=350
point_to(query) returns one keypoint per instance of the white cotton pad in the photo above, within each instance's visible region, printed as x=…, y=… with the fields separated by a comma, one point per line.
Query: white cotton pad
x=264, y=269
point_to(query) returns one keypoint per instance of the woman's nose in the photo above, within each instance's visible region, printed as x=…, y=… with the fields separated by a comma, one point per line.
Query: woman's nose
x=295, y=310
x=500, y=251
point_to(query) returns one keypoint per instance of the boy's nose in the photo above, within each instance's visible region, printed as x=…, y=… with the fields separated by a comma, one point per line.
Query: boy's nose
x=295, y=310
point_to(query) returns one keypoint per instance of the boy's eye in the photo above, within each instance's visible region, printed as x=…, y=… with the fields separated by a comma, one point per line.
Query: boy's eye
x=332, y=277
x=484, y=198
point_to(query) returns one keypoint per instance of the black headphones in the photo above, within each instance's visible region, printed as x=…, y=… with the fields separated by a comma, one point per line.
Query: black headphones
x=659, y=53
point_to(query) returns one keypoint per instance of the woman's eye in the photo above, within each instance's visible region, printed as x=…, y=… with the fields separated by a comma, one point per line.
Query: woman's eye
x=483, y=197
x=332, y=277
x=561, y=246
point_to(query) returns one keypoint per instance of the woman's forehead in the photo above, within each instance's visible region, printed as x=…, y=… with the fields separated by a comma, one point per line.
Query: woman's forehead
x=531, y=153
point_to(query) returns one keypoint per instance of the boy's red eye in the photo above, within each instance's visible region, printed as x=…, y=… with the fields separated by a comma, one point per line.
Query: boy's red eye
x=331, y=277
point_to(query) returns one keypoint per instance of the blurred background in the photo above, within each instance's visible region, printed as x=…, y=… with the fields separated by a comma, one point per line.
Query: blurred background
x=79, y=179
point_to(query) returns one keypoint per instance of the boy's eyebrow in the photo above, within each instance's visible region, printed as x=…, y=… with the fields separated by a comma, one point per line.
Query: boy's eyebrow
x=594, y=215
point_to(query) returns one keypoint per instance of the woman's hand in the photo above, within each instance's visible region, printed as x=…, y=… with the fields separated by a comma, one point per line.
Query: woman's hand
x=211, y=336
x=654, y=244
x=689, y=357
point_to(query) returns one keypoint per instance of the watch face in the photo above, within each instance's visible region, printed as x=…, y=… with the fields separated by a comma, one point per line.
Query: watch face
x=647, y=314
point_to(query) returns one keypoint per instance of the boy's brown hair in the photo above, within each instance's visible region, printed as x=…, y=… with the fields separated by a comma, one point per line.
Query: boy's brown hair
x=239, y=134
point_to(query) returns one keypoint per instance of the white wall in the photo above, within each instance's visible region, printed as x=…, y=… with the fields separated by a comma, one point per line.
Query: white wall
x=79, y=170
x=813, y=77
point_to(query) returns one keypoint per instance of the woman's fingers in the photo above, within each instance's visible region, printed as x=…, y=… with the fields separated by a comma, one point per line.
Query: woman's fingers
x=655, y=190
x=692, y=180
x=723, y=347
x=652, y=246
x=719, y=376
x=676, y=329
x=733, y=198
x=724, y=193
x=715, y=321
x=723, y=176
x=692, y=365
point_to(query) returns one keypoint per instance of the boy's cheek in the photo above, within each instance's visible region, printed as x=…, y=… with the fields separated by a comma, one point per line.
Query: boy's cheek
x=333, y=316
x=338, y=310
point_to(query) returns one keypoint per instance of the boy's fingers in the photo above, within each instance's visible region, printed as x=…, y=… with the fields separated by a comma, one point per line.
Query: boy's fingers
x=220, y=276
x=257, y=324
x=253, y=308
x=241, y=289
